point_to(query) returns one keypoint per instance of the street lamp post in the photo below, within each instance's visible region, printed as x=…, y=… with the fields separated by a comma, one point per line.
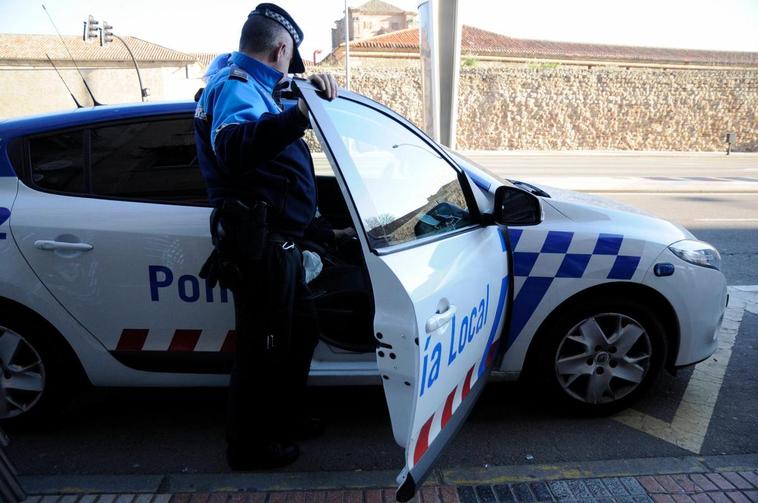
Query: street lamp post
x=106, y=35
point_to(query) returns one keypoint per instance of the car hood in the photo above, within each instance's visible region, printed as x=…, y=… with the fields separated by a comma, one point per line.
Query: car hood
x=612, y=215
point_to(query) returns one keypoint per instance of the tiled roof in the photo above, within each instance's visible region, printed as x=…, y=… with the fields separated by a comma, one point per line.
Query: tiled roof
x=378, y=7
x=477, y=42
x=26, y=47
x=203, y=58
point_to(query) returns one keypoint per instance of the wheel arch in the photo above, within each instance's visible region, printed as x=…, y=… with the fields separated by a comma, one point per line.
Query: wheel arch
x=12, y=310
x=645, y=295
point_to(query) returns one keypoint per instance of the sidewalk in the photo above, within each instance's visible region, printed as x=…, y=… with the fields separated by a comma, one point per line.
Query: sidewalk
x=731, y=478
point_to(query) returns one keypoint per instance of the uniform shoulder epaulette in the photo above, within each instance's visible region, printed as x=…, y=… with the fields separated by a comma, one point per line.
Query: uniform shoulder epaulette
x=238, y=73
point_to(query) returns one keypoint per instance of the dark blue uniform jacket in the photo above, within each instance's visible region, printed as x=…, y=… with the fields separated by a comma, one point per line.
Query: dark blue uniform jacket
x=250, y=149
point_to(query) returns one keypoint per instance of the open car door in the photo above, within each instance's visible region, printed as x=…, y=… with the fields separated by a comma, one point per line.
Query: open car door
x=439, y=276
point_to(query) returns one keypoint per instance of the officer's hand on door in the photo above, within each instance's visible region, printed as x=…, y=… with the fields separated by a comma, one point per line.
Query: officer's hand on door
x=328, y=89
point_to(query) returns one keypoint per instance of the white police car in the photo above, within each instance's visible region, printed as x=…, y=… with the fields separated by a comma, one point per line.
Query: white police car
x=104, y=227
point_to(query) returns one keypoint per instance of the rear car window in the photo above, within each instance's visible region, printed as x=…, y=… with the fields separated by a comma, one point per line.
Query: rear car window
x=57, y=162
x=148, y=161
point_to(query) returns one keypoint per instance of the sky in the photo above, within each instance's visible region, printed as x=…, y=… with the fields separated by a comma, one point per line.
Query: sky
x=213, y=26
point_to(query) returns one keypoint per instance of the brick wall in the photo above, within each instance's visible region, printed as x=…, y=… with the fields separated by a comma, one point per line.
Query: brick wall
x=570, y=108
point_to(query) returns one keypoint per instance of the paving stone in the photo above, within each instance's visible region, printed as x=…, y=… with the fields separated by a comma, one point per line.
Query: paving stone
x=255, y=497
x=603, y=500
x=147, y=498
x=485, y=494
x=388, y=495
x=642, y=499
x=429, y=494
x=720, y=481
x=105, y=498
x=503, y=493
x=682, y=498
x=196, y=498
x=624, y=499
x=49, y=499
x=560, y=490
x=579, y=490
x=719, y=497
x=752, y=496
x=737, y=497
x=751, y=477
x=279, y=497
x=522, y=492
x=215, y=498
x=178, y=498
x=685, y=483
x=370, y=496
x=448, y=494
x=541, y=491
x=159, y=498
x=615, y=487
x=299, y=497
x=703, y=482
x=331, y=497
x=320, y=496
x=701, y=498
x=668, y=484
x=597, y=488
x=633, y=486
x=663, y=498
x=736, y=480
x=87, y=498
x=466, y=494
x=69, y=498
x=350, y=497
x=651, y=485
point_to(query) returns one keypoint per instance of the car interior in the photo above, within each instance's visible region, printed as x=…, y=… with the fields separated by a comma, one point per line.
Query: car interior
x=342, y=291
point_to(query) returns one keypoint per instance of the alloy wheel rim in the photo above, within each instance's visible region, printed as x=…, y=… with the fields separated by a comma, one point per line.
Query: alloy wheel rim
x=603, y=358
x=22, y=374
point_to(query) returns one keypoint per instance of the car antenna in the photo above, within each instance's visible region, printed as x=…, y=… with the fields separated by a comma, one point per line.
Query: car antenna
x=94, y=101
x=78, y=105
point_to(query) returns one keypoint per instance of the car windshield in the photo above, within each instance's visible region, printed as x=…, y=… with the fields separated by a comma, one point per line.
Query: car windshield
x=466, y=163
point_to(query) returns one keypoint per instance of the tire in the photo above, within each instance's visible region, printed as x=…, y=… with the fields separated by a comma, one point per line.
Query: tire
x=36, y=375
x=583, y=362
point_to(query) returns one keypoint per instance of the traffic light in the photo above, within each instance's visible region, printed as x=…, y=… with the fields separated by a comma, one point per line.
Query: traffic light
x=92, y=28
x=106, y=35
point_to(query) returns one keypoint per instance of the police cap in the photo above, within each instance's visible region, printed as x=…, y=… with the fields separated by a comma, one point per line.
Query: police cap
x=276, y=13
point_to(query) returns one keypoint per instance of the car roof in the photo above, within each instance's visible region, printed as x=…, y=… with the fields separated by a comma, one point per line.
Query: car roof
x=21, y=126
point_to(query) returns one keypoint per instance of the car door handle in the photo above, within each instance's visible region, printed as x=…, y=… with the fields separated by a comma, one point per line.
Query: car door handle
x=45, y=244
x=439, y=320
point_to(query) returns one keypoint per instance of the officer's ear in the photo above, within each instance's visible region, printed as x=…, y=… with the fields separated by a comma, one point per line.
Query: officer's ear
x=281, y=52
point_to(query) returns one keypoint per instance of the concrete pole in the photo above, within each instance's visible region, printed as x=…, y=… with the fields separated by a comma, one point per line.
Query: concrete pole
x=348, y=22
x=440, y=48
x=449, y=60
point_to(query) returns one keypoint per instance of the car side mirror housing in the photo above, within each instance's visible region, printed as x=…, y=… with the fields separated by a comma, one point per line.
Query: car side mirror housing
x=514, y=206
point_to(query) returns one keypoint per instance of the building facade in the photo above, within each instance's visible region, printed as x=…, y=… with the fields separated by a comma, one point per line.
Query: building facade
x=370, y=19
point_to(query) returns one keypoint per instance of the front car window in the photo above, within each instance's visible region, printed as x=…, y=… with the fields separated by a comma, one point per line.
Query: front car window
x=403, y=189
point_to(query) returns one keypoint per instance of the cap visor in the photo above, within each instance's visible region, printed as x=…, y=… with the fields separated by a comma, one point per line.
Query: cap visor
x=296, y=65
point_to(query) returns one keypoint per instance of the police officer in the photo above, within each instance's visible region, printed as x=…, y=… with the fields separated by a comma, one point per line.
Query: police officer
x=260, y=179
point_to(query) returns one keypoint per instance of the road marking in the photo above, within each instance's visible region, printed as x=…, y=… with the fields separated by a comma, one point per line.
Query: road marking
x=726, y=220
x=690, y=424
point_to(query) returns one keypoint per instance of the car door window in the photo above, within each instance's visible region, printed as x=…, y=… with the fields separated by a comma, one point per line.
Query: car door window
x=57, y=162
x=147, y=161
x=407, y=190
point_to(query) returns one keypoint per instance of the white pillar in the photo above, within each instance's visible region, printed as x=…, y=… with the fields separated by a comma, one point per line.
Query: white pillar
x=440, y=48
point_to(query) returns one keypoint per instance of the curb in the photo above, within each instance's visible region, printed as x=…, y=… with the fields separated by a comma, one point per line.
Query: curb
x=317, y=481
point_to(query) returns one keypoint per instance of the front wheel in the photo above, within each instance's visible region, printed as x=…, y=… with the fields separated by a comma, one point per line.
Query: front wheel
x=600, y=357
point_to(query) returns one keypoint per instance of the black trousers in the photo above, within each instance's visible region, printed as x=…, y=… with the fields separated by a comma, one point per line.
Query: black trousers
x=277, y=332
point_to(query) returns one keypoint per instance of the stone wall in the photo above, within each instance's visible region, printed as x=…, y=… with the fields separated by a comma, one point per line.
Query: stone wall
x=576, y=108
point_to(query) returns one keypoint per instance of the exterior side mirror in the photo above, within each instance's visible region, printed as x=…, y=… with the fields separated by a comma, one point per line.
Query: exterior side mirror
x=514, y=206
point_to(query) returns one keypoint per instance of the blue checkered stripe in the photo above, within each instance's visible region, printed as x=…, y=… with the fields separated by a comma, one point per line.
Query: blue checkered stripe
x=542, y=258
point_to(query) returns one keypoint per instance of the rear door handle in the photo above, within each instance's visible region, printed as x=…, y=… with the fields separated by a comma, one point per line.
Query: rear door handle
x=440, y=320
x=45, y=244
